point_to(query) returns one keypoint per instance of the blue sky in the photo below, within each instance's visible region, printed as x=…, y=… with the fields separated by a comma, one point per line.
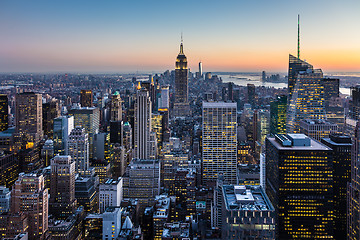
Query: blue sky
x=48, y=36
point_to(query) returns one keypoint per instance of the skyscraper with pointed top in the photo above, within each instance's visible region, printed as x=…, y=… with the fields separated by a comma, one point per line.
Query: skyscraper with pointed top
x=181, y=106
x=306, y=91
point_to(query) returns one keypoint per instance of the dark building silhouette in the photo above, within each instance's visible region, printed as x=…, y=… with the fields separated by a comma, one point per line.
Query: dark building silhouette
x=341, y=149
x=331, y=88
x=4, y=112
x=355, y=102
x=86, y=98
x=51, y=110
x=353, y=195
x=251, y=94
x=299, y=184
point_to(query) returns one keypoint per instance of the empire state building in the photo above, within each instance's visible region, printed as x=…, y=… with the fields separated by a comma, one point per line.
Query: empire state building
x=181, y=106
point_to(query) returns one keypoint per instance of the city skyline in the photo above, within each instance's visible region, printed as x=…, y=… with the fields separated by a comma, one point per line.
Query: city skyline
x=134, y=36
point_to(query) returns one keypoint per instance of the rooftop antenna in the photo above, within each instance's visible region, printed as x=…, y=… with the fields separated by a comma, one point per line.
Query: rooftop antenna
x=181, y=37
x=298, y=42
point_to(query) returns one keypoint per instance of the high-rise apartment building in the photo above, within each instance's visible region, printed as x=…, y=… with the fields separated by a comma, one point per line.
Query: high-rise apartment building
x=219, y=141
x=62, y=128
x=29, y=196
x=299, y=183
x=62, y=187
x=4, y=112
x=78, y=148
x=278, y=115
x=142, y=120
x=181, y=105
x=341, y=152
x=28, y=118
x=306, y=99
x=86, y=98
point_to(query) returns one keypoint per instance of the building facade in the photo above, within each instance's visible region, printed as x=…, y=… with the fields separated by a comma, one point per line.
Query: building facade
x=219, y=141
x=62, y=186
x=299, y=183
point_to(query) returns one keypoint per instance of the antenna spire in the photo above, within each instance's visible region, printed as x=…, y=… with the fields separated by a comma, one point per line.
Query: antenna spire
x=181, y=44
x=298, y=41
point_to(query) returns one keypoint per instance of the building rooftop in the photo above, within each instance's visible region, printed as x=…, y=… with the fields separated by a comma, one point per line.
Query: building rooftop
x=338, y=140
x=219, y=104
x=176, y=230
x=317, y=122
x=111, y=182
x=246, y=198
x=296, y=141
x=8, y=132
x=162, y=206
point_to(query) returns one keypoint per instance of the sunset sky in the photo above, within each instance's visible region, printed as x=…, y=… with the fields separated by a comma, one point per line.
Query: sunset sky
x=126, y=36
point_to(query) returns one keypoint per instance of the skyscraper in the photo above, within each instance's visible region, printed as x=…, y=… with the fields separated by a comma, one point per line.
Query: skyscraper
x=262, y=125
x=299, y=183
x=306, y=99
x=62, y=187
x=51, y=110
x=181, y=106
x=88, y=118
x=86, y=98
x=353, y=196
x=116, y=125
x=164, y=101
x=355, y=103
x=142, y=124
x=219, y=141
x=341, y=152
x=278, y=115
x=115, y=107
x=78, y=148
x=29, y=196
x=4, y=112
x=331, y=88
x=28, y=117
x=251, y=94
x=62, y=128
x=296, y=65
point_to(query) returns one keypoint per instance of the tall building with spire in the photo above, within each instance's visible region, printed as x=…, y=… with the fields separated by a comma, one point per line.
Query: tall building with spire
x=306, y=92
x=181, y=106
